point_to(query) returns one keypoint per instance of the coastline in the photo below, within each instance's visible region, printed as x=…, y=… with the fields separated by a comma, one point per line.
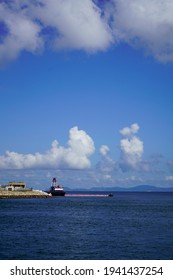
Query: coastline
x=24, y=194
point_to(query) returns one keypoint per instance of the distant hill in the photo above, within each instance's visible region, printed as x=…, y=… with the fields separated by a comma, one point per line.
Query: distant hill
x=149, y=188
x=140, y=188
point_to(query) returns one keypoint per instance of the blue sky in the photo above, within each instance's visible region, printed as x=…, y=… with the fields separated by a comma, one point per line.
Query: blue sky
x=86, y=92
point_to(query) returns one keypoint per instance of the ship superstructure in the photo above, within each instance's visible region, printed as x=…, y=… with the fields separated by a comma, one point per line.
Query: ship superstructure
x=56, y=190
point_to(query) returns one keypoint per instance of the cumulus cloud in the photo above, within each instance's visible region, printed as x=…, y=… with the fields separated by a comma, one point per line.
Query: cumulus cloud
x=104, y=149
x=19, y=32
x=88, y=25
x=129, y=131
x=131, y=152
x=106, y=166
x=79, y=24
x=131, y=148
x=75, y=156
x=72, y=24
x=147, y=24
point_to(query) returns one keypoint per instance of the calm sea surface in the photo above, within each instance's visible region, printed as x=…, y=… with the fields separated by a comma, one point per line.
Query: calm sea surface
x=125, y=226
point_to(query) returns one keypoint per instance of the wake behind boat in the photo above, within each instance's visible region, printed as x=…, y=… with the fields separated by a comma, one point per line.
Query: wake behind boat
x=88, y=194
x=56, y=190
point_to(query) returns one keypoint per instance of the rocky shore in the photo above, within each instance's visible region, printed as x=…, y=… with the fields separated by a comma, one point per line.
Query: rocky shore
x=23, y=194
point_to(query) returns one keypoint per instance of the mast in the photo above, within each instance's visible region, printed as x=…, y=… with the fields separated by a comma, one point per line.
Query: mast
x=54, y=182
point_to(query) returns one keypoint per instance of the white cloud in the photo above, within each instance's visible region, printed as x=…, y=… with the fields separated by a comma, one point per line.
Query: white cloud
x=104, y=149
x=147, y=24
x=22, y=33
x=128, y=131
x=75, y=156
x=86, y=25
x=169, y=178
x=106, y=166
x=79, y=24
x=131, y=148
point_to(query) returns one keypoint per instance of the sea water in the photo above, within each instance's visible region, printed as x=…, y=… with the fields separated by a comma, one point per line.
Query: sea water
x=125, y=226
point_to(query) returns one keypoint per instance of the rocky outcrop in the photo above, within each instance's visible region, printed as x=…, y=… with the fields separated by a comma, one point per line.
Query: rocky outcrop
x=23, y=194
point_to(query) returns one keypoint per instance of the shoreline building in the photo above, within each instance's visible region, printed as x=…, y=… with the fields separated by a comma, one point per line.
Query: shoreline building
x=14, y=186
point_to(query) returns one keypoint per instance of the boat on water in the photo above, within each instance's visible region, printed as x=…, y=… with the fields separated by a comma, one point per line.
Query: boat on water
x=56, y=190
x=110, y=194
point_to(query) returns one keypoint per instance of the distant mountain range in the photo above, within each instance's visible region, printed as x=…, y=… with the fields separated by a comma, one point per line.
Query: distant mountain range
x=141, y=188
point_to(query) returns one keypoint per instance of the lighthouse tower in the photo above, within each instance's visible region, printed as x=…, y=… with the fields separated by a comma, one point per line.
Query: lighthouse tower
x=54, y=182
